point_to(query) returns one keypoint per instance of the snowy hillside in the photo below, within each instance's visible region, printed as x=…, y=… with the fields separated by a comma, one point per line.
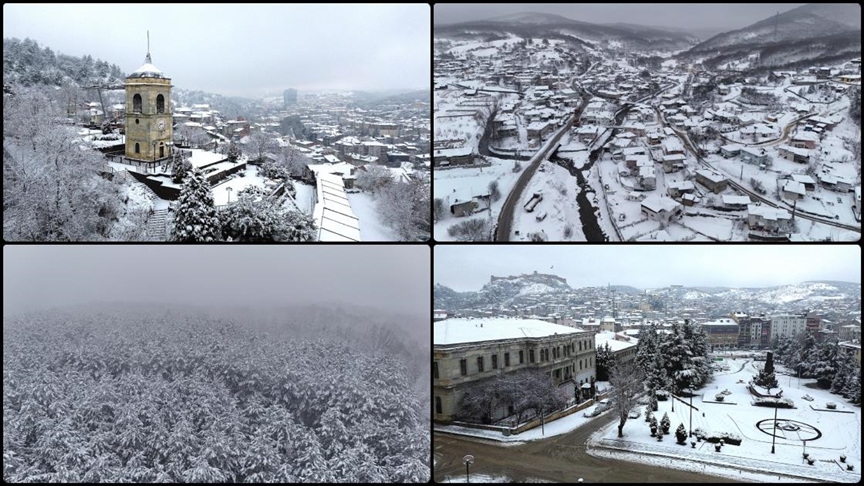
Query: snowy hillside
x=809, y=21
x=532, y=24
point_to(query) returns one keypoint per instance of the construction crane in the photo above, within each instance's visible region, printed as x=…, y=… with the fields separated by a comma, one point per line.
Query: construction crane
x=99, y=88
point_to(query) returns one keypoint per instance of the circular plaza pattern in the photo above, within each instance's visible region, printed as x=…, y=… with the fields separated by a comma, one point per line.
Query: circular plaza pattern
x=789, y=429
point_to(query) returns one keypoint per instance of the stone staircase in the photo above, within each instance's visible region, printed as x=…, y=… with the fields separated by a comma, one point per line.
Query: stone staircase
x=157, y=225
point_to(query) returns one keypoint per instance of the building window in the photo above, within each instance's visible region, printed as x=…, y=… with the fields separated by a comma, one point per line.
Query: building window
x=530, y=355
x=521, y=357
x=463, y=367
x=591, y=360
x=494, y=361
x=438, y=405
x=558, y=374
x=137, y=148
x=435, y=370
x=480, y=364
x=580, y=345
x=506, y=359
x=580, y=364
x=136, y=103
x=160, y=104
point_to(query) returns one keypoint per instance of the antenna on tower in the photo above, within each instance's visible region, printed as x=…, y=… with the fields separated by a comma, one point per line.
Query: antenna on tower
x=148, y=48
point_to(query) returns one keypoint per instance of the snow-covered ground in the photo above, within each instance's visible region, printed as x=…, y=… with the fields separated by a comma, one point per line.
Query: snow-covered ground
x=238, y=183
x=305, y=198
x=472, y=181
x=371, y=227
x=550, y=429
x=558, y=209
x=485, y=478
x=841, y=433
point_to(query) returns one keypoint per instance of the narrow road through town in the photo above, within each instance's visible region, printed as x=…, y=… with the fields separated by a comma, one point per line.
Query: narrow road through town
x=558, y=459
x=514, y=198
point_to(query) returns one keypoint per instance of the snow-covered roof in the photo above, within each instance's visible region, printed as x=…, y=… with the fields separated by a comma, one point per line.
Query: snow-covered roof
x=454, y=152
x=768, y=212
x=795, y=187
x=202, y=158
x=710, y=175
x=147, y=70
x=457, y=331
x=332, y=213
x=606, y=337
x=735, y=200
x=658, y=204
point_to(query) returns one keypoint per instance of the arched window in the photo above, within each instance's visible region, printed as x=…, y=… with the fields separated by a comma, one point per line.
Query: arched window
x=137, y=146
x=136, y=103
x=160, y=104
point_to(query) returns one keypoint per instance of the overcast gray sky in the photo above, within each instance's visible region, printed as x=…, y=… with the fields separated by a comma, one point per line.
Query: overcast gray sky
x=720, y=16
x=388, y=277
x=464, y=268
x=244, y=49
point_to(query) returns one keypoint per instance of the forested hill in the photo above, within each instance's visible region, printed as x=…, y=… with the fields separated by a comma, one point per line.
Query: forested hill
x=26, y=63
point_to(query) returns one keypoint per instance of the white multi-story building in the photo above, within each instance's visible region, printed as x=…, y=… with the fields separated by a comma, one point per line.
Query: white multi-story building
x=787, y=325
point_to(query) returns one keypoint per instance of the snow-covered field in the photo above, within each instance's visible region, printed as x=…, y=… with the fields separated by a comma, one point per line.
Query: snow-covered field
x=841, y=433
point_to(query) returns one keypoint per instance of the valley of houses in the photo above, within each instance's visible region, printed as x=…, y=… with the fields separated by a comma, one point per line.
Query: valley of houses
x=719, y=167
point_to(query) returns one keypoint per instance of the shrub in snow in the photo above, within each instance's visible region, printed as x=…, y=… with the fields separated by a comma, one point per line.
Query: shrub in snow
x=681, y=434
x=471, y=230
x=716, y=437
x=831, y=405
x=654, y=404
x=719, y=397
x=842, y=458
x=653, y=426
x=665, y=423
x=773, y=402
x=648, y=414
x=661, y=395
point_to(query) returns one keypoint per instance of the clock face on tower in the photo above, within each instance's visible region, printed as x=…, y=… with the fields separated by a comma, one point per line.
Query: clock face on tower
x=160, y=125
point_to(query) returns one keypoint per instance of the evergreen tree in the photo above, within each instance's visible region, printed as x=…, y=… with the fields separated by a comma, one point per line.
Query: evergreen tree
x=679, y=362
x=196, y=219
x=838, y=384
x=604, y=362
x=852, y=390
x=665, y=423
x=823, y=363
x=646, y=348
x=234, y=152
x=656, y=378
x=766, y=377
x=179, y=167
x=681, y=434
x=699, y=351
x=807, y=356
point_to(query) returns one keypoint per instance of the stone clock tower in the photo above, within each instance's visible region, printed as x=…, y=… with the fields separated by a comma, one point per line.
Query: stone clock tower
x=149, y=124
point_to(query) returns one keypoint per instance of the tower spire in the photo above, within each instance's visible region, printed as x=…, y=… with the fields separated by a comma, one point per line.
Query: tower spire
x=147, y=59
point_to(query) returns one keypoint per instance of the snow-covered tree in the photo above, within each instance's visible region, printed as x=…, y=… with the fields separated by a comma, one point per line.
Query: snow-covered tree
x=196, y=219
x=373, y=178
x=180, y=166
x=765, y=377
x=665, y=423
x=256, y=217
x=604, y=361
x=678, y=356
x=234, y=152
x=259, y=144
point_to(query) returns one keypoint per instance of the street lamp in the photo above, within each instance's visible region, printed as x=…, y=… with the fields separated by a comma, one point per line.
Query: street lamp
x=468, y=460
x=690, y=392
x=774, y=431
x=229, y=194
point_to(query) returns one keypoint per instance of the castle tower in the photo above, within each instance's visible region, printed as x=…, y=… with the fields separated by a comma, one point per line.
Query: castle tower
x=149, y=124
